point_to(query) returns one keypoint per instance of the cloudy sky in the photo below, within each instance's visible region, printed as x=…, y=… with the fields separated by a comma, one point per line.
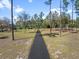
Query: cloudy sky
x=29, y=6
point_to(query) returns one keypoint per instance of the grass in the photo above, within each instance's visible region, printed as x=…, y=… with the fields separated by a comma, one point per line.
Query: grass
x=19, y=47
x=20, y=34
x=64, y=47
x=13, y=49
x=4, y=34
x=28, y=34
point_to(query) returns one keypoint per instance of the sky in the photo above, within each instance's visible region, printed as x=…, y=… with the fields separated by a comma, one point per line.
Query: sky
x=30, y=7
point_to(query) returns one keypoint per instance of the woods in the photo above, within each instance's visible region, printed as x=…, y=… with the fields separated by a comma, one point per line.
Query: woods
x=51, y=20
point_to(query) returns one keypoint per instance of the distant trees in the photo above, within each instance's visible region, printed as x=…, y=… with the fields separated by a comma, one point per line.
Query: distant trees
x=33, y=22
x=49, y=2
x=41, y=19
x=4, y=24
x=77, y=7
x=37, y=21
x=52, y=20
x=25, y=21
x=77, y=22
x=64, y=20
x=77, y=12
x=72, y=1
x=22, y=20
x=19, y=23
x=65, y=6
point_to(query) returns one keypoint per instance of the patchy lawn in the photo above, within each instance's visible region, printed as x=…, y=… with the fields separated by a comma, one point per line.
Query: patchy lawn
x=25, y=34
x=19, y=48
x=64, y=47
x=20, y=34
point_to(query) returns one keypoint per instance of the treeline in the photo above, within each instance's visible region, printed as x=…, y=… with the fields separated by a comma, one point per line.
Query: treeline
x=25, y=21
x=5, y=24
x=37, y=21
x=52, y=20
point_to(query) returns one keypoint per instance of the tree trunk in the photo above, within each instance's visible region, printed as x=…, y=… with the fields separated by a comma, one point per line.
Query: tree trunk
x=60, y=18
x=12, y=19
x=50, y=21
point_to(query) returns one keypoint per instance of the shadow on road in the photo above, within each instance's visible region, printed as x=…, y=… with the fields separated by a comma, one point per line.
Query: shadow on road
x=38, y=48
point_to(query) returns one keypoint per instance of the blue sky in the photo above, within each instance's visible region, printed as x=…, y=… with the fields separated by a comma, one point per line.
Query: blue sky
x=29, y=6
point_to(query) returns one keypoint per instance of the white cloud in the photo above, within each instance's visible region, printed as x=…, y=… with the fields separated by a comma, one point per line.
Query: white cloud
x=19, y=9
x=15, y=17
x=44, y=17
x=1, y=5
x=56, y=9
x=69, y=11
x=5, y=3
x=30, y=1
x=53, y=10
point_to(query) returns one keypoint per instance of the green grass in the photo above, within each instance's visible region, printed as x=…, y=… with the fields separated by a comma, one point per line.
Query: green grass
x=28, y=34
x=20, y=34
x=4, y=34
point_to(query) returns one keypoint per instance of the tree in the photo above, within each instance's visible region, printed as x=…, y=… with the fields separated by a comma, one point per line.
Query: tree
x=72, y=1
x=65, y=5
x=23, y=18
x=77, y=12
x=64, y=20
x=12, y=19
x=4, y=24
x=35, y=17
x=54, y=18
x=49, y=2
x=33, y=24
x=77, y=22
x=41, y=15
x=19, y=23
x=41, y=19
x=60, y=18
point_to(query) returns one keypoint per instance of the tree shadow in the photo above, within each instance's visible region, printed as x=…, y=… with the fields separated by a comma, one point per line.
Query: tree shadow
x=38, y=49
x=32, y=32
x=50, y=35
x=17, y=39
x=4, y=37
